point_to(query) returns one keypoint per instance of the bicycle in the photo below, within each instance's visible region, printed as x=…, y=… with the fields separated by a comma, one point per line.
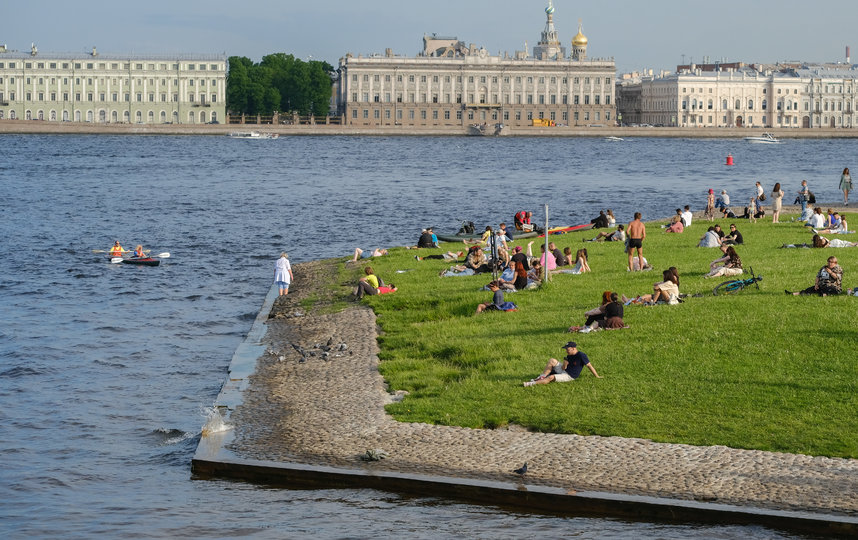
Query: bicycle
x=729, y=287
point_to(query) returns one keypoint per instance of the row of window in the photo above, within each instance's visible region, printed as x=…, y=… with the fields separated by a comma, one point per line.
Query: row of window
x=446, y=98
x=793, y=105
x=481, y=78
x=192, y=98
x=765, y=90
x=111, y=66
x=436, y=115
x=77, y=81
x=103, y=116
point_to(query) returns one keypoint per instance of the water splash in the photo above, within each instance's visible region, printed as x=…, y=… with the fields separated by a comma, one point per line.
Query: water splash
x=214, y=422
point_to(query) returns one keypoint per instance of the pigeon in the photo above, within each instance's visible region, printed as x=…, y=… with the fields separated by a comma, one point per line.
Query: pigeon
x=522, y=470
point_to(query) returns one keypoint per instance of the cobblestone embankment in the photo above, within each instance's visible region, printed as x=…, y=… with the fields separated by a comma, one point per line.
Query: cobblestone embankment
x=317, y=398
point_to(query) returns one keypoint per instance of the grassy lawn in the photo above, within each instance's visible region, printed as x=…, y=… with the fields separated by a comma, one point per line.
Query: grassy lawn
x=757, y=369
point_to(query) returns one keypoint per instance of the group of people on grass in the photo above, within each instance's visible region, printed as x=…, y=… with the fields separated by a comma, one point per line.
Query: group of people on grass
x=518, y=269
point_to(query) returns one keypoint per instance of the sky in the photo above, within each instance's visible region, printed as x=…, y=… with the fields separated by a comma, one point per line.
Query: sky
x=637, y=34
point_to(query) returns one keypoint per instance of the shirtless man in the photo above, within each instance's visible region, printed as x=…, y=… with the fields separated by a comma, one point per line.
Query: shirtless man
x=637, y=232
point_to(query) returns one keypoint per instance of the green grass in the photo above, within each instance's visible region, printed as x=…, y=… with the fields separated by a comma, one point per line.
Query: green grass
x=757, y=369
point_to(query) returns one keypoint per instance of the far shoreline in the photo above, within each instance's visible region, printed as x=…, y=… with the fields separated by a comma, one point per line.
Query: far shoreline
x=40, y=127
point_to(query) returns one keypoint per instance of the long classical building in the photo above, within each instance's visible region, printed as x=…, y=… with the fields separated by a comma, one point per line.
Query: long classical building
x=765, y=96
x=450, y=84
x=105, y=88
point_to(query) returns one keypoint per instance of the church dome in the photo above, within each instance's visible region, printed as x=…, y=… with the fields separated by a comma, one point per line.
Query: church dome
x=580, y=40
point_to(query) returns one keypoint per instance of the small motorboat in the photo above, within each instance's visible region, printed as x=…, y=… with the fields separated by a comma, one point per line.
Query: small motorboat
x=614, y=139
x=765, y=138
x=252, y=135
x=143, y=261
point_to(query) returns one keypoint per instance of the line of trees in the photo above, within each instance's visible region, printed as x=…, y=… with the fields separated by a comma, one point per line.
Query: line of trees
x=279, y=83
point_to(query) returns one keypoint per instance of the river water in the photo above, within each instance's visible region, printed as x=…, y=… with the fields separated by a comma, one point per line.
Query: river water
x=106, y=370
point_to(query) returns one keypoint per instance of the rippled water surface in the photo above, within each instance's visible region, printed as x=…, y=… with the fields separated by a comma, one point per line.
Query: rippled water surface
x=105, y=370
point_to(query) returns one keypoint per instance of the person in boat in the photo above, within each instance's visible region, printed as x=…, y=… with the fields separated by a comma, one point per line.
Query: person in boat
x=139, y=253
x=520, y=220
x=116, y=250
x=283, y=274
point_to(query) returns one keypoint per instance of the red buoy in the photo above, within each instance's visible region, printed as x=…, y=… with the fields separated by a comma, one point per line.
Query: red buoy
x=729, y=159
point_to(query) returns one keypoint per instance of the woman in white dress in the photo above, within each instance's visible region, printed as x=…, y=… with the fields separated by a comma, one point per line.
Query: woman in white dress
x=283, y=274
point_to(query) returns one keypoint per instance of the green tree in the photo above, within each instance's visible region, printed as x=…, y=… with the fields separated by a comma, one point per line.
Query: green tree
x=280, y=82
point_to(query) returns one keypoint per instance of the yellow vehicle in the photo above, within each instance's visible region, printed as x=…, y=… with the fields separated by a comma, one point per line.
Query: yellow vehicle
x=543, y=122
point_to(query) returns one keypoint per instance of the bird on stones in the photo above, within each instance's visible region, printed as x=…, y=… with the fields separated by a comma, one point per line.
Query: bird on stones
x=522, y=470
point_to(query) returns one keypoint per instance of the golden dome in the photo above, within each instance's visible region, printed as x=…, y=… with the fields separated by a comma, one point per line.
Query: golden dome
x=580, y=40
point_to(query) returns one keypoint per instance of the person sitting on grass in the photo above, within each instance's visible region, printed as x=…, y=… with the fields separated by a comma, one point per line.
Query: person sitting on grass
x=613, y=315
x=368, y=284
x=841, y=228
x=734, y=237
x=618, y=235
x=829, y=280
x=728, y=265
x=359, y=254
x=666, y=291
x=570, y=370
x=581, y=264
x=551, y=261
x=816, y=220
x=822, y=242
x=497, y=303
x=675, y=226
x=710, y=239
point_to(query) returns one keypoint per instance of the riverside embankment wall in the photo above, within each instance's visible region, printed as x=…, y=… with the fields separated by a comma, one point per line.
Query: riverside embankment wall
x=85, y=128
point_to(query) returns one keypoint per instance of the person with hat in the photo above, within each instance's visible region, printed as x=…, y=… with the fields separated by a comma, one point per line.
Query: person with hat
x=571, y=369
x=709, y=212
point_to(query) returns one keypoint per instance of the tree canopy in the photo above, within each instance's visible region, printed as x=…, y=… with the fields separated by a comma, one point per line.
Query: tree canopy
x=279, y=83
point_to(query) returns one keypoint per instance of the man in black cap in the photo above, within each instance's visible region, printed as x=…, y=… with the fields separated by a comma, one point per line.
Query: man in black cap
x=571, y=369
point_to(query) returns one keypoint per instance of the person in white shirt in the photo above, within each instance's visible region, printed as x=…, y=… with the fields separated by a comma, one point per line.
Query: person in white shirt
x=686, y=216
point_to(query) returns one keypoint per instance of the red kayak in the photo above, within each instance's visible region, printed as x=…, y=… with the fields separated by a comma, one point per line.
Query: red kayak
x=145, y=261
x=564, y=230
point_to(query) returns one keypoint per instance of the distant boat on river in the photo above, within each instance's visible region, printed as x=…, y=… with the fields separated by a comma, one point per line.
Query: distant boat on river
x=252, y=135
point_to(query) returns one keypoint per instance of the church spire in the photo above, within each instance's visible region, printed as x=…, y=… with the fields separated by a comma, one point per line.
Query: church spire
x=549, y=47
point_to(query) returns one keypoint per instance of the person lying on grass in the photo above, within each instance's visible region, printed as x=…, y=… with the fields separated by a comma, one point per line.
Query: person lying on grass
x=829, y=280
x=449, y=256
x=615, y=236
x=822, y=242
x=666, y=291
x=571, y=369
x=728, y=265
x=497, y=303
x=359, y=253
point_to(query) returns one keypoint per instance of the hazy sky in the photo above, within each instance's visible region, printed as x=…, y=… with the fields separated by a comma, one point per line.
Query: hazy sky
x=636, y=33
